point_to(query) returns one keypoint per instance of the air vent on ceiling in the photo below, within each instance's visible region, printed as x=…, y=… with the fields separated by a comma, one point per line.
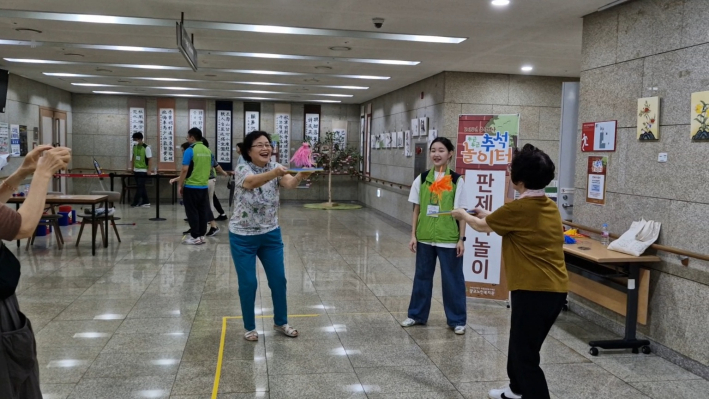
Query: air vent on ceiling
x=103, y=70
x=340, y=48
x=73, y=54
x=323, y=67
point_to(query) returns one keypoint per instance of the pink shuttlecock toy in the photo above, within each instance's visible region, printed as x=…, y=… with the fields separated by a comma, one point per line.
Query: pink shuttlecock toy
x=303, y=158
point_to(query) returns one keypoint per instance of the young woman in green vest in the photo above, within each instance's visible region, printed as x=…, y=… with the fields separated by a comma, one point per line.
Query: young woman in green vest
x=435, y=235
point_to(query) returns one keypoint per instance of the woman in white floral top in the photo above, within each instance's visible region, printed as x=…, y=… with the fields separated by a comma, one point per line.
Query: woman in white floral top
x=254, y=230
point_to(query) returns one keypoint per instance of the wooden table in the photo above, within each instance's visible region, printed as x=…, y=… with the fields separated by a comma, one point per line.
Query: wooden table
x=92, y=200
x=595, y=275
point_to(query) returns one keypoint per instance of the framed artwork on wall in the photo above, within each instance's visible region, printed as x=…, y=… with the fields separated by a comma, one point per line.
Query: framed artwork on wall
x=407, y=143
x=415, y=127
x=700, y=116
x=423, y=126
x=399, y=139
x=649, y=119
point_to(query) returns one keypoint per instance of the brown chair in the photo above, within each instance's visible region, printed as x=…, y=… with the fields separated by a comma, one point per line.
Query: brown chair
x=125, y=196
x=53, y=222
x=113, y=196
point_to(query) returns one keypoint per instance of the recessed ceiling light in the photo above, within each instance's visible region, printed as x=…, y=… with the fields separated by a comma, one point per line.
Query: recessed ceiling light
x=500, y=3
x=28, y=30
x=93, y=85
x=69, y=75
x=323, y=67
x=340, y=48
x=527, y=68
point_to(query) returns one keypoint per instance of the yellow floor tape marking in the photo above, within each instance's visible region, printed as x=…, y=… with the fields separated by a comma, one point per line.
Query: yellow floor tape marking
x=220, y=358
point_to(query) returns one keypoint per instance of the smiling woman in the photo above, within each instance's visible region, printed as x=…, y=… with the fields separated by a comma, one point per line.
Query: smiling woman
x=254, y=230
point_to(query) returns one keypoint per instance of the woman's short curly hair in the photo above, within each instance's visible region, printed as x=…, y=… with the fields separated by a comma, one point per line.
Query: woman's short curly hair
x=532, y=167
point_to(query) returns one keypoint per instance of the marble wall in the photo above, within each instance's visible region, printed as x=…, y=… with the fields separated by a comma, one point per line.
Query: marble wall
x=24, y=99
x=641, y=49
x=101, y=131
x=445, y=97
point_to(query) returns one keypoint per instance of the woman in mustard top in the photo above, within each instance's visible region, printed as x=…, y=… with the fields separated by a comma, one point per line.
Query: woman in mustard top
x=532, y=249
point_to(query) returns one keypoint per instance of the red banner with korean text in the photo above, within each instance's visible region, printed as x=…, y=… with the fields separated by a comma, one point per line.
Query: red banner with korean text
x=484, y=150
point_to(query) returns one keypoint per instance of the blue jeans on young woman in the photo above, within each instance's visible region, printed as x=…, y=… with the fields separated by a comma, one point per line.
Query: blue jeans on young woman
x=452, y=280
x=269, y=249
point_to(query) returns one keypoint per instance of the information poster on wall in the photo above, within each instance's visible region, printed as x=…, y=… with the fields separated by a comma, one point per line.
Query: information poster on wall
x=598, y=136
x=485, y=144
x=4, y=138
x=283, y=132
x=252, y=120
x=312, y=128
x=197, y=119
x=137, y=124
x=596, y=185
x=14, y=140
x=223, y=136
x=167, y=134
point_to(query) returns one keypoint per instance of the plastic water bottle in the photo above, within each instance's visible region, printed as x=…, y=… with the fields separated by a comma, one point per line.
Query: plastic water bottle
x=605, y=235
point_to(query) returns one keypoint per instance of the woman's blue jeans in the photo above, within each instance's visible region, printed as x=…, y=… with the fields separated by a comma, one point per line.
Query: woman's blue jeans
x=452, y=280
x=269, y=249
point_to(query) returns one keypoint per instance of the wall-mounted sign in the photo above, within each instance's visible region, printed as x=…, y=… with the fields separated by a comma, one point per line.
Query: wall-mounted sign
x=598, y=136
x=596, y=184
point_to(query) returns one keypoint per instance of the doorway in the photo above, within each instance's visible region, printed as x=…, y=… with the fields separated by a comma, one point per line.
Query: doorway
x=52, y=131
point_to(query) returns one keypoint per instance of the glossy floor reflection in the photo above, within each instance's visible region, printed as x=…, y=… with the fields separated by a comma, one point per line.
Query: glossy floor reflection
x=143, y=319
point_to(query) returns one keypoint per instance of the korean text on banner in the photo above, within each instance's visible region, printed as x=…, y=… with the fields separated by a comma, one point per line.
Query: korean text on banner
x=484, y=149
x=223, y=136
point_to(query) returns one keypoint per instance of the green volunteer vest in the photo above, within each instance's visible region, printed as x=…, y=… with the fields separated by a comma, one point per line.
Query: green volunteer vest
x=442, y=229
x=139, y=152
x=201, y=165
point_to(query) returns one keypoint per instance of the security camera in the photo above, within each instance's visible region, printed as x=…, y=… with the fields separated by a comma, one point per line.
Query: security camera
x=378, y=22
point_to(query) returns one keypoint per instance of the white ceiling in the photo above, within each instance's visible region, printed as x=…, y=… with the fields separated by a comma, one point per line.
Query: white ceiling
x=542, y=33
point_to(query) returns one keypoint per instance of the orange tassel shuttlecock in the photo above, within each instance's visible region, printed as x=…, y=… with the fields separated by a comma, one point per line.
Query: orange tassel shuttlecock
x=440, y=186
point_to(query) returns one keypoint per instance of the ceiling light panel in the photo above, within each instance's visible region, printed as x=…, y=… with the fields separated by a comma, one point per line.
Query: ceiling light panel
x=178, y=68
x=165, y=79
x=33, y=44
x=285, y=30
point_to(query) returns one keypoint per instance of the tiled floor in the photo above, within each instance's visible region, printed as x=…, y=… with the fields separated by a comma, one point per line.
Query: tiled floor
x=143, y=319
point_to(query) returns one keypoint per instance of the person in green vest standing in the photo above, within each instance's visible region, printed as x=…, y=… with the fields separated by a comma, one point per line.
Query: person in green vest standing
x=194, y=186
x=435, y=234
x=140, y=166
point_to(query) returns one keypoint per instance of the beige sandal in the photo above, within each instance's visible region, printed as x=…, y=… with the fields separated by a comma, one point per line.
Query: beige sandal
x=287, y=330
x=251, y=335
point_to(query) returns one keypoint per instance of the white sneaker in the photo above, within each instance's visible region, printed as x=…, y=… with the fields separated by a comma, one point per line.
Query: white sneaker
x=503, y=393
x=193, y=241
x=459, y=330
x=408, y=322
x=145, y=206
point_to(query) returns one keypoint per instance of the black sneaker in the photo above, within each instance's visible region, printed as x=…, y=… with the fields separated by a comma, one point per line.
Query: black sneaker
x=187, y=232
x=213, y=231
x=221, y=218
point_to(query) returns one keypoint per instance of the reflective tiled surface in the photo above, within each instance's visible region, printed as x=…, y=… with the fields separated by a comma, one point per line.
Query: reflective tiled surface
x=145, y=319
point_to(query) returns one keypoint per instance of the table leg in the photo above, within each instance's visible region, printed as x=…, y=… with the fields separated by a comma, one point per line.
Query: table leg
x=105, y=236
x=157, y=217
x=93, y=229
x=17, y=207
x=111, y=175
x=630, y=341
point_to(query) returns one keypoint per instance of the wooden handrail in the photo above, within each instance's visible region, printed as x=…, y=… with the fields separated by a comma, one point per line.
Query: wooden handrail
x=384, y=182
x=658, y=247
